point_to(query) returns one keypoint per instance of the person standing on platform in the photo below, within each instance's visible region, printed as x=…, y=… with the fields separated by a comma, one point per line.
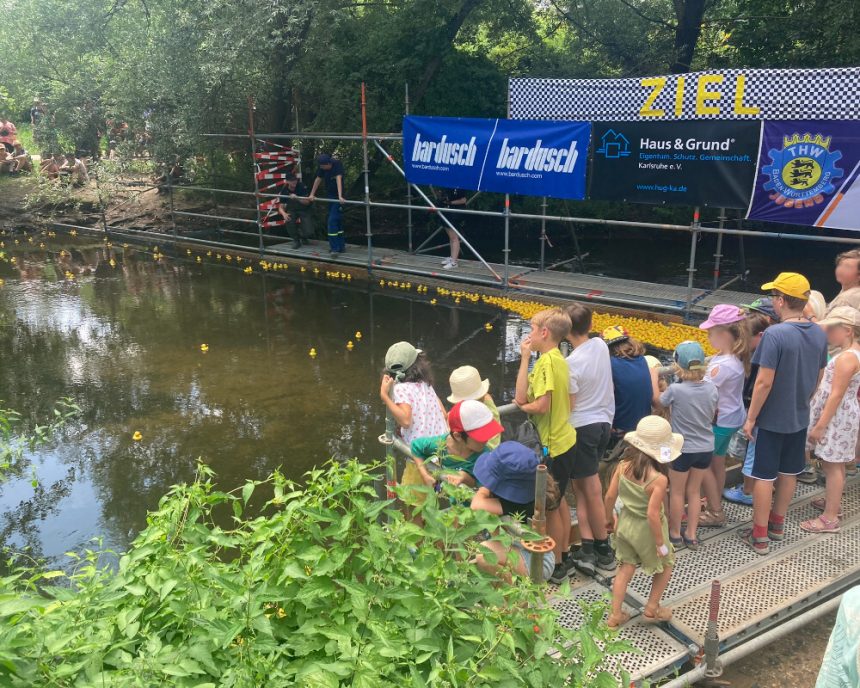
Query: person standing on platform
x=453, y=198
x=330, y=172
x=292, y=206
x=791, y=359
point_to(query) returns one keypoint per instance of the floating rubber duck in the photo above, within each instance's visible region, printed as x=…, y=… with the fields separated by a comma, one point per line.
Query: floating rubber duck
x=229, y=257
x=238, y=259
x=350, y=346
x=248, y=270
x=74, y=232
x=208, y=254
x=137, y=437
x=432, y=302
x=457, y=300
x=218, y=256
x=188, y=251
x=381, y=283
x=2, y=282
x=204, y=348
x=199, y=259
x=303, y=268
x=316, y=271
x=358, y=335
x=42, y=245
x=488, y=327
x=312, y=353
x=112, y=263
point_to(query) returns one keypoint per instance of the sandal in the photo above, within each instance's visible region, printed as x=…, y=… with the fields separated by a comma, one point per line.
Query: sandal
x=691, y=543
x=820, y=504
x=614, y=621
x=676, y=541
x=661, y=615
x=820, y=525
x=710, y=519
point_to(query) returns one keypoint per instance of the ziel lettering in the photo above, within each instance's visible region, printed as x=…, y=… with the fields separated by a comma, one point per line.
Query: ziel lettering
x=709, y=90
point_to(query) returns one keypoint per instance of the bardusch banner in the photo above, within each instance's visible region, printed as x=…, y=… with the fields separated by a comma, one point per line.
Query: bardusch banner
x=706, y=163
x=532, y=158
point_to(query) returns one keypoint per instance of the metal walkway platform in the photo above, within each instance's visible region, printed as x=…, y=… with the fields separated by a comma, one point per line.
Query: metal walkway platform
x=758, y=593
x=528, y=281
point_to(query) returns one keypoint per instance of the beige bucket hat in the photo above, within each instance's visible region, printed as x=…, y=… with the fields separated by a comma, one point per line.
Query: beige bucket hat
x=466, y=384
x=654, y=437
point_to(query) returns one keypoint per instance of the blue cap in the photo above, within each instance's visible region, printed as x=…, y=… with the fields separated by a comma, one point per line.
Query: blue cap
x=690, y=355
x=764, y=306
x=324, y=159
x=509, y=472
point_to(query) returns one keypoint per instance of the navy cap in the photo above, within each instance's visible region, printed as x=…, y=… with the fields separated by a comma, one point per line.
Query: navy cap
x=509, y=472
x=764, y=306
x=324, y=159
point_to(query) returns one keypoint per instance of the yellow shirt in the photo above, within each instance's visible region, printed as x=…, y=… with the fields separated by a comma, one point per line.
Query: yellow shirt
x=490, y=404
x=550, y=374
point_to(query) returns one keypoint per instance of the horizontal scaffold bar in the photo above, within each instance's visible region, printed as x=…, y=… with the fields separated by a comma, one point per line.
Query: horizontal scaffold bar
x=309, y=135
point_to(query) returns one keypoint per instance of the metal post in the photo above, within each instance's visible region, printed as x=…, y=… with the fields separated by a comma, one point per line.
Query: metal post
x=691, y=271
x=719, y=254
x=251, y=108
x=712, y=636
x=507, y=249
x=579, y=256
x=172, y=213
x=101, y=200
x=543, y=235
x=366, y=178
x=742, y=253
x=538, y=548
x=408, y=187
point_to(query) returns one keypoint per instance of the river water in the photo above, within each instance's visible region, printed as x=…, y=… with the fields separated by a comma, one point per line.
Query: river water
x=125, y=343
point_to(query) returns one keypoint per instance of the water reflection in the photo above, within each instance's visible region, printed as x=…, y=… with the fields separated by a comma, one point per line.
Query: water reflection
x=122, y=338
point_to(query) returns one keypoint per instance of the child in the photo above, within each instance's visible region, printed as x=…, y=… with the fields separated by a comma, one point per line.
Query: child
x=727, y=370
x=413, y=403
x=693, y=403
x=642, y=537
x=756, y=323
x=544, y=395
x=631, y=380
x=835, y=415
x=472, y=428
x=466, y=384
x=593, y=407
x=507, y=477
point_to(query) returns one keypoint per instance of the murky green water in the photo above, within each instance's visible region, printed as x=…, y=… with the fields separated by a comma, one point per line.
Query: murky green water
x=124, y=342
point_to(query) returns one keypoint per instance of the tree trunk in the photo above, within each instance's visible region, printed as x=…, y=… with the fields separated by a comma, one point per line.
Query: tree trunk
x=689, y=15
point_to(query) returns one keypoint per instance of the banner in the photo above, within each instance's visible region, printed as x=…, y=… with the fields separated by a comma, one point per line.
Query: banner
x=720, y=94
x=517, y=157
x=808, y=174
x=681, y=163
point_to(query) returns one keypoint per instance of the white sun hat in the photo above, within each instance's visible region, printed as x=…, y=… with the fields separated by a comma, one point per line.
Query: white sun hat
x=466, y=384
x=654, y=437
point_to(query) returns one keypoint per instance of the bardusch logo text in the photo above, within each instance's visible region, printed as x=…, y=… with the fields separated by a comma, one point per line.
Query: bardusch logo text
x=444, y=152
x=537, y=158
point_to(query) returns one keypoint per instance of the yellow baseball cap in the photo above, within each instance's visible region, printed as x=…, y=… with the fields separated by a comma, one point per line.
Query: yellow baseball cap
x=791, y=284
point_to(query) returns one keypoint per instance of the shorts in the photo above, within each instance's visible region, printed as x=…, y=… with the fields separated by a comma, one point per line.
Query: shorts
x=561, y=468
x=591, y=443
x=722, y=437
x=688, y=460
x=779, y=452
x=510, y=508
x=548, y=560
x=750, y=457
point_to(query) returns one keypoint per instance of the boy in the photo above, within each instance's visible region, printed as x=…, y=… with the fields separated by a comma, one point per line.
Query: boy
x=544, y=395
x=791, y=359
x=592, y=400
x=330, y=171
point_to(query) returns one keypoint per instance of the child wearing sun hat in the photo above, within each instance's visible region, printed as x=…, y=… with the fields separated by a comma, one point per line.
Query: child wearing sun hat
x=466, y=384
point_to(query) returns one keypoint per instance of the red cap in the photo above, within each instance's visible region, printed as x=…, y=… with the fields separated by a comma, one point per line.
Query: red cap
x=475, y=419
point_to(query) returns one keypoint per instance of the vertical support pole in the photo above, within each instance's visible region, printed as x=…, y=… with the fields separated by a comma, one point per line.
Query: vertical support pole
x=719, y=253
x=538, y=523
x=366, y=178
x=713, y=667
x=101, y=200
x=172, y=214
x=507, y=249
x=742, y=253
x=251, y=108
x=390, y=460
x=691, y=270
x=577, y=248
x=408, y=185
x=543, y=235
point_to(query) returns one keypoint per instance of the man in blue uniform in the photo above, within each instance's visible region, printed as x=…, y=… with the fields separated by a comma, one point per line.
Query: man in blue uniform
x=330, y=171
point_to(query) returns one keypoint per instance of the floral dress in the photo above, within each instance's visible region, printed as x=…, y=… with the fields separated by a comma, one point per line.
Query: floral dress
x=840, y=438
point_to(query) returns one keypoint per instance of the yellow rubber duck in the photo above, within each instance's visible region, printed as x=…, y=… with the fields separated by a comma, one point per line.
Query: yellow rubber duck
x=432, y=302
x=229, y=257
x=42, y=245
x=312, y=353
x=112, y=263
x=199, y=259
x=218, y=256
x=248, y=270
x=137, y=437
x=488, y=327
x=303, y=268
x=2, y=282
x=188, y=251
x=204, y=348
x=358, y=335
x=208, y=254
x=350, y=346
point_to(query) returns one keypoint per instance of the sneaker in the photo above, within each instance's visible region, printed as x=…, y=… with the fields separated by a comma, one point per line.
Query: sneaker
x=585, y=562
x=737, y=495
x=606, y=561
x=809, y=475
x=450, y=265
x=851, y=469
x=559, y=574
x=776, y=531
x=446, y=261
x=760, y=546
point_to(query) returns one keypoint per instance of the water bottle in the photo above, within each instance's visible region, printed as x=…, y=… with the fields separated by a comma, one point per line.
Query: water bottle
x=738, y=446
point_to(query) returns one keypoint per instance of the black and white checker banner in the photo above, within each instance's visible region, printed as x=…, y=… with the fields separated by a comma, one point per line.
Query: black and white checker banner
x=772, y=94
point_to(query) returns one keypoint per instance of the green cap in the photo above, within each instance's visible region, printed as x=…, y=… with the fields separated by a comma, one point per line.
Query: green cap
x=400, y=356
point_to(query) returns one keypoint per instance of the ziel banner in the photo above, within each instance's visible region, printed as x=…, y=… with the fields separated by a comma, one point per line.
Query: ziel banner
x=682, y=163
x=808, y=174
x=532, y=158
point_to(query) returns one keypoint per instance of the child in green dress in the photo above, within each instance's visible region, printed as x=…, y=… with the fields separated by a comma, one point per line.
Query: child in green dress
x=642, y=533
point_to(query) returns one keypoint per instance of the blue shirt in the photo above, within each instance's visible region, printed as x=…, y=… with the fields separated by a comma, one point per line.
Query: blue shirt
x=632, y=382
x=796, y=352
x=328, y=177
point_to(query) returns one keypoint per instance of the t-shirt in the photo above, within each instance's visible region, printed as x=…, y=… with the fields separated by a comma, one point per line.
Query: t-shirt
x=849, y=297
x=490, y=404
x=796, y=351
x=329, y=177
x=550, y=375
x=590, y=378
x=294, y=205
x=693, y=405
x=447, y=196
x=631, y=381
x=727, y=373
x=427, y=417
x=429, y=447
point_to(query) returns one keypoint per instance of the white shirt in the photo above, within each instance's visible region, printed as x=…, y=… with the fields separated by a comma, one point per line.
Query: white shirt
x=427, y=417
x=726, y=372
x=591, y=382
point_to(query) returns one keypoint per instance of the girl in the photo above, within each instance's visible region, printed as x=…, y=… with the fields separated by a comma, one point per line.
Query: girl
x=466, y=383
x=693, y=402
x=835, y=415
x=727, y=371
x=631, y=380
x=413, y=403
x=642, y=535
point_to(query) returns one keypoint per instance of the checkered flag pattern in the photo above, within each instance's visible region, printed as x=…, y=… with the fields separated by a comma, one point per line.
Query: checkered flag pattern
x=761, y=94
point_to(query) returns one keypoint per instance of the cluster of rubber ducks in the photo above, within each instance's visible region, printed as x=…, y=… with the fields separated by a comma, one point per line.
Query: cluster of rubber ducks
x=337, y=275
x=350, y=345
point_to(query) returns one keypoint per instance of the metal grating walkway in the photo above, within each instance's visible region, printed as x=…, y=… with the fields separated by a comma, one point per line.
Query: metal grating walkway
x=529, y=281
x=757, y=592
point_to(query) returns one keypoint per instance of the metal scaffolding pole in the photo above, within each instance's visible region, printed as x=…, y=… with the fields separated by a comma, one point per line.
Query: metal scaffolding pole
x=251, y=108
x=366, y=178
x=543, y=235
x=408, y=187
x=691, y=270
x=507, y=249
x=719, y=252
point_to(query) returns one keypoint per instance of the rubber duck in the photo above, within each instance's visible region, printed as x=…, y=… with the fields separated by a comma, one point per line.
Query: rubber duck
x=304, y=269
x=42, y=245
x=432, y=302
x=350, y=346
x=229, y=257
x=208, y=254
x=248, y=270
x=381, y=283
x=112, y=263
x=238, y=259
x=488, y=327
x=204, y=348
x=199, y=259
x=217, y=256
x=312, y=353
x=2, y=282
x=358, y=335
x=137, y=437
x=316, y=271
x=188, y=251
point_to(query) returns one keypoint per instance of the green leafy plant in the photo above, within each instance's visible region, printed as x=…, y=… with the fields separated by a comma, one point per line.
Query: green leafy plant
x=321, y=586
x=16, y=439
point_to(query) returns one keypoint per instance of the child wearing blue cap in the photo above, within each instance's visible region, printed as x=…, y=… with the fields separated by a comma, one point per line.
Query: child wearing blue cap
x=693, y=403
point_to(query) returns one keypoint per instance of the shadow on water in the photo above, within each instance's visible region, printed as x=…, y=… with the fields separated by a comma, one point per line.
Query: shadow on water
x=124, y=343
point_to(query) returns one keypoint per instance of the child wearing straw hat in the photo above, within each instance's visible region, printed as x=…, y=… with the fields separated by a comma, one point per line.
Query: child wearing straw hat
x=466, y=384
x=642, y=533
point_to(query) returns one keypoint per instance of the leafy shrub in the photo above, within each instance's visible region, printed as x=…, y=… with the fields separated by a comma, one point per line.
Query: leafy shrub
x=322, y=586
